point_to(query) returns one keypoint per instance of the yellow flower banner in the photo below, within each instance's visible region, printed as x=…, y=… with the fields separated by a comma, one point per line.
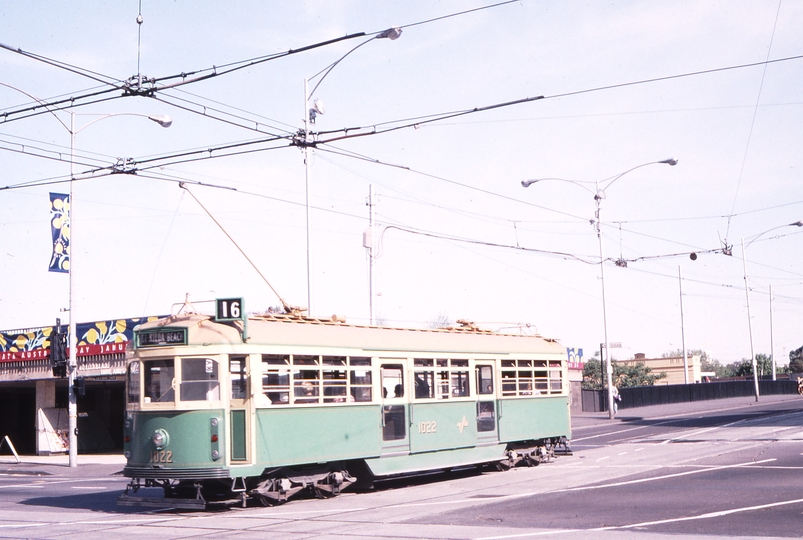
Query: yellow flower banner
x=60, y=231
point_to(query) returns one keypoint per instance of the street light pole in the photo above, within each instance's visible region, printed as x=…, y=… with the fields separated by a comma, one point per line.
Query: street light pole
x=72, y=368
x=747, y=296
x=608, y=366
x=306, y=187
x=683, y=331
x=772, y=344
x=599, y=194
x=310, y=113
x=749, y=322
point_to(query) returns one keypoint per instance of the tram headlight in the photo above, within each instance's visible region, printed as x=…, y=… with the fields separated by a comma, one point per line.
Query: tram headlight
x=160, y=438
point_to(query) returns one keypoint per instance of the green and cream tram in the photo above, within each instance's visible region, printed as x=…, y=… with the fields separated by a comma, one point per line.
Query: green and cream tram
x=264, y=406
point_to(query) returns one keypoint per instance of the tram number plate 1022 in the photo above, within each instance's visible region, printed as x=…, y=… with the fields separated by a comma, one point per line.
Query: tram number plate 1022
x=161, y=456
x=427, y=427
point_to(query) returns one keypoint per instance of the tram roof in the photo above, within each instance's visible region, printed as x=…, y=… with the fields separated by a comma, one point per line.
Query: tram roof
x=296, y=330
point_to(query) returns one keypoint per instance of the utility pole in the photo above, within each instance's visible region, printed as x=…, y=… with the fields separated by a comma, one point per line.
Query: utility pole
x=368, y=242
x=772, y=345
x=683, y=331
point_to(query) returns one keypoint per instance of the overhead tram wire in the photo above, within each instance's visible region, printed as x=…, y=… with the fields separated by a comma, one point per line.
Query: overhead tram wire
x=377, y=128
x=287, y=307
x=205, y=73
x=245, y=123
x=562, y=255
x=287, y=127
x=106, y=80
x=752, y=125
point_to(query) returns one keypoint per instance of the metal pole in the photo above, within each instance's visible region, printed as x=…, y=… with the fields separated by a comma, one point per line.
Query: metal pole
x=371, y=255
x=749, y=322
x=772, y=345
x=72, y=406
x=609, y=368
x=306, y=190
x=683, y=331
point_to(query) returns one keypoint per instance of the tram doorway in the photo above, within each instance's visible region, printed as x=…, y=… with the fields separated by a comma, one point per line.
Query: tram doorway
x=240, y=409
x=395, y=433
x=487, y=407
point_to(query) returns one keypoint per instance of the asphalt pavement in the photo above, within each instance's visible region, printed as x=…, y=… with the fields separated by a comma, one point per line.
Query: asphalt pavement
x=653, y=412
x=112, y=464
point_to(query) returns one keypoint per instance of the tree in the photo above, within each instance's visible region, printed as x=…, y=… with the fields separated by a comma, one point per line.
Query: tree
x=719, y=370
x=796, y=361
x=592, y=374
x=763, y=366
x=441, y=321
x=637, y=374
x=624, y=375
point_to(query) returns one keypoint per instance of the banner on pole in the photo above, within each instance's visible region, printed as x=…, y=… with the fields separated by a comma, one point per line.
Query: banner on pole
x=60, y=232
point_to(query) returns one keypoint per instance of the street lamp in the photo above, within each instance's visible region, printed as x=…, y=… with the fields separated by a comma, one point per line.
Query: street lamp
x=72, y=408
x=599, y=195
x=310, y=115
x=747, y=297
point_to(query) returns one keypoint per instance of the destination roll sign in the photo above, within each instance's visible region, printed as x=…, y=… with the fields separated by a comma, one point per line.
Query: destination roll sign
x=161, y=338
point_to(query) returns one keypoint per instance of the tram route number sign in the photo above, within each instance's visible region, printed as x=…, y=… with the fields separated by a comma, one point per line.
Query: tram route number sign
x=229, y=309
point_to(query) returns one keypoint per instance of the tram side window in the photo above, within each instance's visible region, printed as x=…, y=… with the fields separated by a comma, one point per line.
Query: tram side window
x=531, y=377
x=360, y=378
x=133, y=382
x=459, y=378
x=509, y=379
x=424, y=384
x=306, y=386
x=335, y=381
x=555, y=377
x=541, y=377
x=159, y=376
x=276, y=378
x=239, y=385
x=485, y=380
x=199, y=380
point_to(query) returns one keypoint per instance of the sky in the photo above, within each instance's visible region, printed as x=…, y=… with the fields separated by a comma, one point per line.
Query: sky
x=625, y=85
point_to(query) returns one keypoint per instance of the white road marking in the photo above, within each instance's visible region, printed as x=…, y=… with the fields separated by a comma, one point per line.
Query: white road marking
x=703, y=516
x=649, y=523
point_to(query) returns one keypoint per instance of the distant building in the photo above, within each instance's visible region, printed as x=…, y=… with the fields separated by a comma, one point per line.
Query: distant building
x=576, y=365
x=672, y=366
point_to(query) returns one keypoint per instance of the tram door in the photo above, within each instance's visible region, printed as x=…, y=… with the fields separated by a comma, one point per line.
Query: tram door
x=487, y=413
x=239, y=410
x=395, y=433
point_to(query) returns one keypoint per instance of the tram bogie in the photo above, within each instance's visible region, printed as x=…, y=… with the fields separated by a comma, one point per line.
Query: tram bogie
x=271, y=407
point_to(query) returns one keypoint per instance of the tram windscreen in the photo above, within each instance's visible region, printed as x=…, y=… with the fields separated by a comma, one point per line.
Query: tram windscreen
x=133, y=382
x=159, y=375
x=199, y=380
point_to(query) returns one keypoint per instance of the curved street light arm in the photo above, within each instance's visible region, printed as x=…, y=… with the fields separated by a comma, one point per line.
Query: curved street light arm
x=163, y=120
x=756, y=237
x=578, y=183
x=390, y=33
x=671, y=162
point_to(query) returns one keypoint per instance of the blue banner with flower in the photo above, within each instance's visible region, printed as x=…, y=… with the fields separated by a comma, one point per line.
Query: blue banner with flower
x=101, y=337
x=60, y=232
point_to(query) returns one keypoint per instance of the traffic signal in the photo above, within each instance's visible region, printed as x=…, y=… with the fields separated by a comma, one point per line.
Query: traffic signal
x=79, y=387
x=58, y=351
